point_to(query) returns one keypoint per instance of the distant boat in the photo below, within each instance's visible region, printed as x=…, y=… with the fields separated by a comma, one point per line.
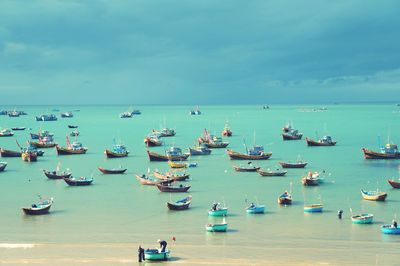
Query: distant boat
x=268, y=172
x=172, y=188
x=156, y=255
x=195, y=112
x=39, y=208
x=285, y=198
x=313, y=208
x=199, y=150
x=218, y=210
x=43, y=142
x=74, y=133
x=374, y=195
x=171, y=175
x=394, y=183
x=362, y=218
x=179, y=205
x=3, y=166
x=298, y=164
x=152, y=141
x=31, y=148
x=145, y=180
x=176, y=165
x=13, y=114
x=255, y=209
x=390, y=151
x=67, y=115
x=112, y=171
x=6, y=133
x=126, y=115
x=311, y=179
x=256, y=153
x=82, y=181
x=18, y=128
x=227, y=132
x=56, y=174
x=217, y=227
x=71, y=148
x=173, y=154
x=42, y=134
x=289, y=133
x=118, y=150
x=72, y=126
x=325, y=141
x=49, y=117
x=216, y=142
x=246, y=168
x=390, y=229
x=165, y=132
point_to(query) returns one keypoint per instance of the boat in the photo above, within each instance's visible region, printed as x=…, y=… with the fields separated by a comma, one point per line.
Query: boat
x=112, y=171
x=218, y=210
x=8, y=153
x=362, y=218
x=30, y=148
x=72, y=126
x=165, y=132
x=18, y=128
x=313, y=208
x=227, y=132
x=256, y=153
x=176, y=165
x=126, y=115
x=298, y=164
x=82, y=181
x=43, y=142
x=49, y=117
x=325, y=141
x=373, y=195
x=6, y=133
x=136, y=112
x=56, y=174
x=74, y=148
x=74, y=133
x=172, y=188
x=173, y=154
x=394, y=183
x=255, y=209
x=179, y=205
x=199, y=150
x=171, y=175
x=67, y=115
x=152, y=141
x=118, y=150
x=289, y=133
x=390, y=229
x=156, y=255
x=3, y=166
x=285, y=198
x=217, y=227
x=145, y=180
x=195, y=112
x=29, y=156
x=311, y=179
x=269, y=172
x=42, y=207
x=390, y=151
x=13, y=114
x=248, y=168
x=42, y=134
x=216, y=142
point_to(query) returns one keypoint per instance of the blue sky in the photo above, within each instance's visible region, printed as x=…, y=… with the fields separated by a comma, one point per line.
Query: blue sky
x=198, y=52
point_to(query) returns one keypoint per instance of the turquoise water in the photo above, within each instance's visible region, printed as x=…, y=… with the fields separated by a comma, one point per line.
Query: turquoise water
x=102, y=224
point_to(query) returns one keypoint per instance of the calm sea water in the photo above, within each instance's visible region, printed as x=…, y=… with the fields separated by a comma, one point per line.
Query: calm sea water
x=102, y=224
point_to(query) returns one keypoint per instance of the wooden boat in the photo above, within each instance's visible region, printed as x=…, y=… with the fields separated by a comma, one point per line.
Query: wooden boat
x=156, y=255
x=390, y=229
x=373, y=195
x=248, y=168
x=176, y=165
x=82, y=181
x=216, y=143
x=49, y=117
x=56, y=174
x=72, y=148
x=226, y=132
x=268, y=172
x=165, y=132
x=255, y=209
x=173, y=154
x=30, y=148
x=217, y=227
x=145, y=180
x=112, y=171
x=217, y=210
x=298, y=164
x=176, y=176
x=172, y=188
x=179, y=205
x=3, y=166
x=41, y=134
x=42, y=207
x=118, y=151
x=18, y=128
x=313, y=208
x=325, y=141
x=362, y=218
x=309, y=181
x=292, y=135
x=285, y=198
x=6, y=133
x=43, y=142
x=199, y=150
x=67, y=115
x=390, y=151
x=72, y=126
x=152, y=141
x=8, y=153
x=241, y=156
x=29, y=156
x=393, y=183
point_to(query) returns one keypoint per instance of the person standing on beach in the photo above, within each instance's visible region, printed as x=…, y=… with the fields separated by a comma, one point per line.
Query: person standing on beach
x=140, y=254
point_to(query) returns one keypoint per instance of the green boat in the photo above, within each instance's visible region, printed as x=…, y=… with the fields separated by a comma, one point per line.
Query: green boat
x=217, y=210
x=217, y=227
x=155, y=254
x=362, y=219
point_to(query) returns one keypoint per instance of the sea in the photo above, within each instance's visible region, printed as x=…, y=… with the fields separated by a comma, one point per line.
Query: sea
x=103, y=224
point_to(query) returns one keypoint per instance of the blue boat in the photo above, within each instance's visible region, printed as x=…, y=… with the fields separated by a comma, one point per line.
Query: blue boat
x=390, y=229
x=199, y=150
x=217, y=210
x=313, y=208
x=362, y=219
x=255, y=209
x=155, y=254
x=217, y=227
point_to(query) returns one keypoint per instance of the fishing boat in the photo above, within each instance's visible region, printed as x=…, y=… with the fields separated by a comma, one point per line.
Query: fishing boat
x=3, y=166
x=42, y=207
x=82, y=181
x=118, y=150
x=217, y=227
x=156, y=255
x=227, y=132
x=325, y=141
x=195, y=112
x=57, y=174
x=311, y=179
x=179, y=205
x=313, y=208
x=200, y=149
x=18, y=128
x=29, y=156
x=43, y=142
x=255, y=153
x=112, y=171
x=289, y=133
x=216, y=142
x=362, y=218
x=172, y=188
x=285, y=198
x=126, y=115
x=71, y=148
x=255, y=209
x=13, y=114
x=72, y=126
x=152, y=141
x=42, y=134
x=30, y=148
x=176, y=165
x=218, y=210
x=145, y=180
x=268, y=172
x=136, y=112
x=8, y=153
x=6, y=133
x=394, y=183
x=171, y=175
x=49, y=117
x=390, y=229
x=173, y=154
x=74, y=133
x=67, y=115
x=165, y=132
x=246, y=168
x=389, y=151
x=298, y=164
x=373, y=195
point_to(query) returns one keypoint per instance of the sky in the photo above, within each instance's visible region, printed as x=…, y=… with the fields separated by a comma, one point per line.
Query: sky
x=199, y=52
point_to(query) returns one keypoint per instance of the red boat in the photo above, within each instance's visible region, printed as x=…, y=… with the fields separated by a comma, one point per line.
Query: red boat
x=394, y=184
x=173, y=154
x=325, y=141
x=390, y=151
x=74, y=148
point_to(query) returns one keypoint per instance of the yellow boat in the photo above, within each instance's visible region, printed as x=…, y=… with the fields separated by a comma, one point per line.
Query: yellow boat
x=176, y=165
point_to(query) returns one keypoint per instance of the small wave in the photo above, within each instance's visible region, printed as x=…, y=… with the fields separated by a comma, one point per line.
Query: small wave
x=10, y=245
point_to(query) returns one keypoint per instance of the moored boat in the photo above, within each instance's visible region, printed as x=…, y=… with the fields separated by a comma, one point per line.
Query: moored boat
x=362, y=218
x=255, y=209
x=172, y=188
x=67, y=115
x=126, y=115
x=218, y=210
x=71, y=148
x=41, y=134
x=145, y=180
x=216, y=143
x=43, y=142
x=18, y=128
x=373, y=195
x=247, y=168
x=312, y=179
x=257, y=153
x=176, y=165
x=227, y=132
x=118, y=150
x=173, y=154
x=74, y=133
x=394, y=183
x=56, y=174
x=171, y=175
x=6, y=133
x=289, y=133
x=298, y=164
x=325, y=141
x=269, y=172
x=49, y=117
x=9, y=153
x=3, y=166
x=390, y=151
x=82, y=181
x=217, y=227
x=156, y=255
x=112, y=171
x=199, y=150
x=152, y=141
x=313, y=208
x=72, y=126
x=179, y=205
x=390, y=229
x=42, y=207
x=285, y=198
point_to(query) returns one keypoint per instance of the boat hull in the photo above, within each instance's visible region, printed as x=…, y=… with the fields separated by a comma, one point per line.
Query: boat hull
x=311, y=142
x=271, y=173
x=362, y=219
x=78, y=183
x=241, y=169
x=291, y=137
x=29, y=156
x=112, y=171
x=171, y=176
x=292, y=165
x=155, y=255
x=152, y=143
x=220, y=212
x=179, y=206
x=394, y=184
x=173, y=189
x=381, y=196
x=313, y=208
x=111, y=154
x=66, y=151
x=50, y=175
x=309, y=182
x=388, y=229
x=3, y=167
x=42, y=145
x=285, y=200
x=241, y=156
x=8, y=153
x=217, y=145
x=194, y=152
x=217, y=227
x=368, y=154
x=256, y=210
x=153, y=156
x=30, y=211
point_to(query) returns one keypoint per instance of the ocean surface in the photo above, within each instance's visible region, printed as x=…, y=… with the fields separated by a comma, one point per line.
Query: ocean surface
x=104, y=223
